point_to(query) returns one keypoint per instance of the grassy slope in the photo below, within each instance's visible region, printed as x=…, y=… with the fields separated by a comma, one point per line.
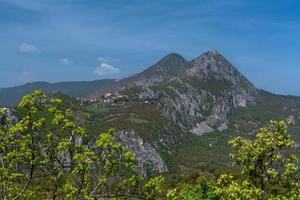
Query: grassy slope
x=11, y=96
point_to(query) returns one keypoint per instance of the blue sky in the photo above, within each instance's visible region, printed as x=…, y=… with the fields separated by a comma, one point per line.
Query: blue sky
x=64, y=40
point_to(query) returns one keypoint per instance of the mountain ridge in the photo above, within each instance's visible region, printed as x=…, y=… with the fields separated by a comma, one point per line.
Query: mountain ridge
x=12, y=95
x=170, y=66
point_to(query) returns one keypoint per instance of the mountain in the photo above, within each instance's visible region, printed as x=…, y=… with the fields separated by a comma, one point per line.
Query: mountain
x=178, y=114
x=11, y=96
x=198, y=95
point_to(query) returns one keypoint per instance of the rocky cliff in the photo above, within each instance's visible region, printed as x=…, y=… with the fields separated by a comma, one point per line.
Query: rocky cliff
x=147, y=157
x=7, y=116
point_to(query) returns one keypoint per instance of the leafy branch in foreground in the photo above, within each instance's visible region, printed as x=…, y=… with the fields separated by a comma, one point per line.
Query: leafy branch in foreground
x=43, y=156
x=270, y=170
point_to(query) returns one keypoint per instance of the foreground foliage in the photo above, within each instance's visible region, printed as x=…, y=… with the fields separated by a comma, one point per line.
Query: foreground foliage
x=49, y=159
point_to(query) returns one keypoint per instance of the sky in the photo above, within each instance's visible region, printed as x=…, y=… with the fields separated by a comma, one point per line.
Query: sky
x=68, y=40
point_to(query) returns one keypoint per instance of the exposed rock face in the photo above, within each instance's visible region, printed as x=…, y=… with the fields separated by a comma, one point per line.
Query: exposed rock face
x=213, y=65
x=8, y=117
x=203, y=111
x=149, y=95
x=202, y=128
x=148, y=158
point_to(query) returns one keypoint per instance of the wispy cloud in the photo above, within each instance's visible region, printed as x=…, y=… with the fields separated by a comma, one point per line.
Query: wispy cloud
x=106, y=70
x=106, y=59
x=27, y=48
x=65, y=61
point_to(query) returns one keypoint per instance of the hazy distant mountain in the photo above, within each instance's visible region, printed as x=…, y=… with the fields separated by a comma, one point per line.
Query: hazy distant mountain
x=12, y=95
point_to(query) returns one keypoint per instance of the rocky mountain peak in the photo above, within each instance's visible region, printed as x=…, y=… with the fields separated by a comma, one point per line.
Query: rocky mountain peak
x=213, y=66
x=213, y=52
x=173, y=57
x=211, y=62
x=170, y=64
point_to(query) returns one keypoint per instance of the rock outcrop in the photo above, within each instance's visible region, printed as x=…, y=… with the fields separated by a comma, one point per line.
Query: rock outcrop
x=147, y=157
x=8, y=117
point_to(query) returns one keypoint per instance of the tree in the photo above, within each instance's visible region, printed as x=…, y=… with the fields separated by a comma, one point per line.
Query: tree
x=45, y=156
x=268, y=169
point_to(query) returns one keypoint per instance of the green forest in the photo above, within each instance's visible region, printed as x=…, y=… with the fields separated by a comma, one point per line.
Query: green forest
x=45, y=153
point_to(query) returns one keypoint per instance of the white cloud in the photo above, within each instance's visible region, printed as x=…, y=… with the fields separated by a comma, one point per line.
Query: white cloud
x=106, y=69
x=65, y=61
x=27, y=48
